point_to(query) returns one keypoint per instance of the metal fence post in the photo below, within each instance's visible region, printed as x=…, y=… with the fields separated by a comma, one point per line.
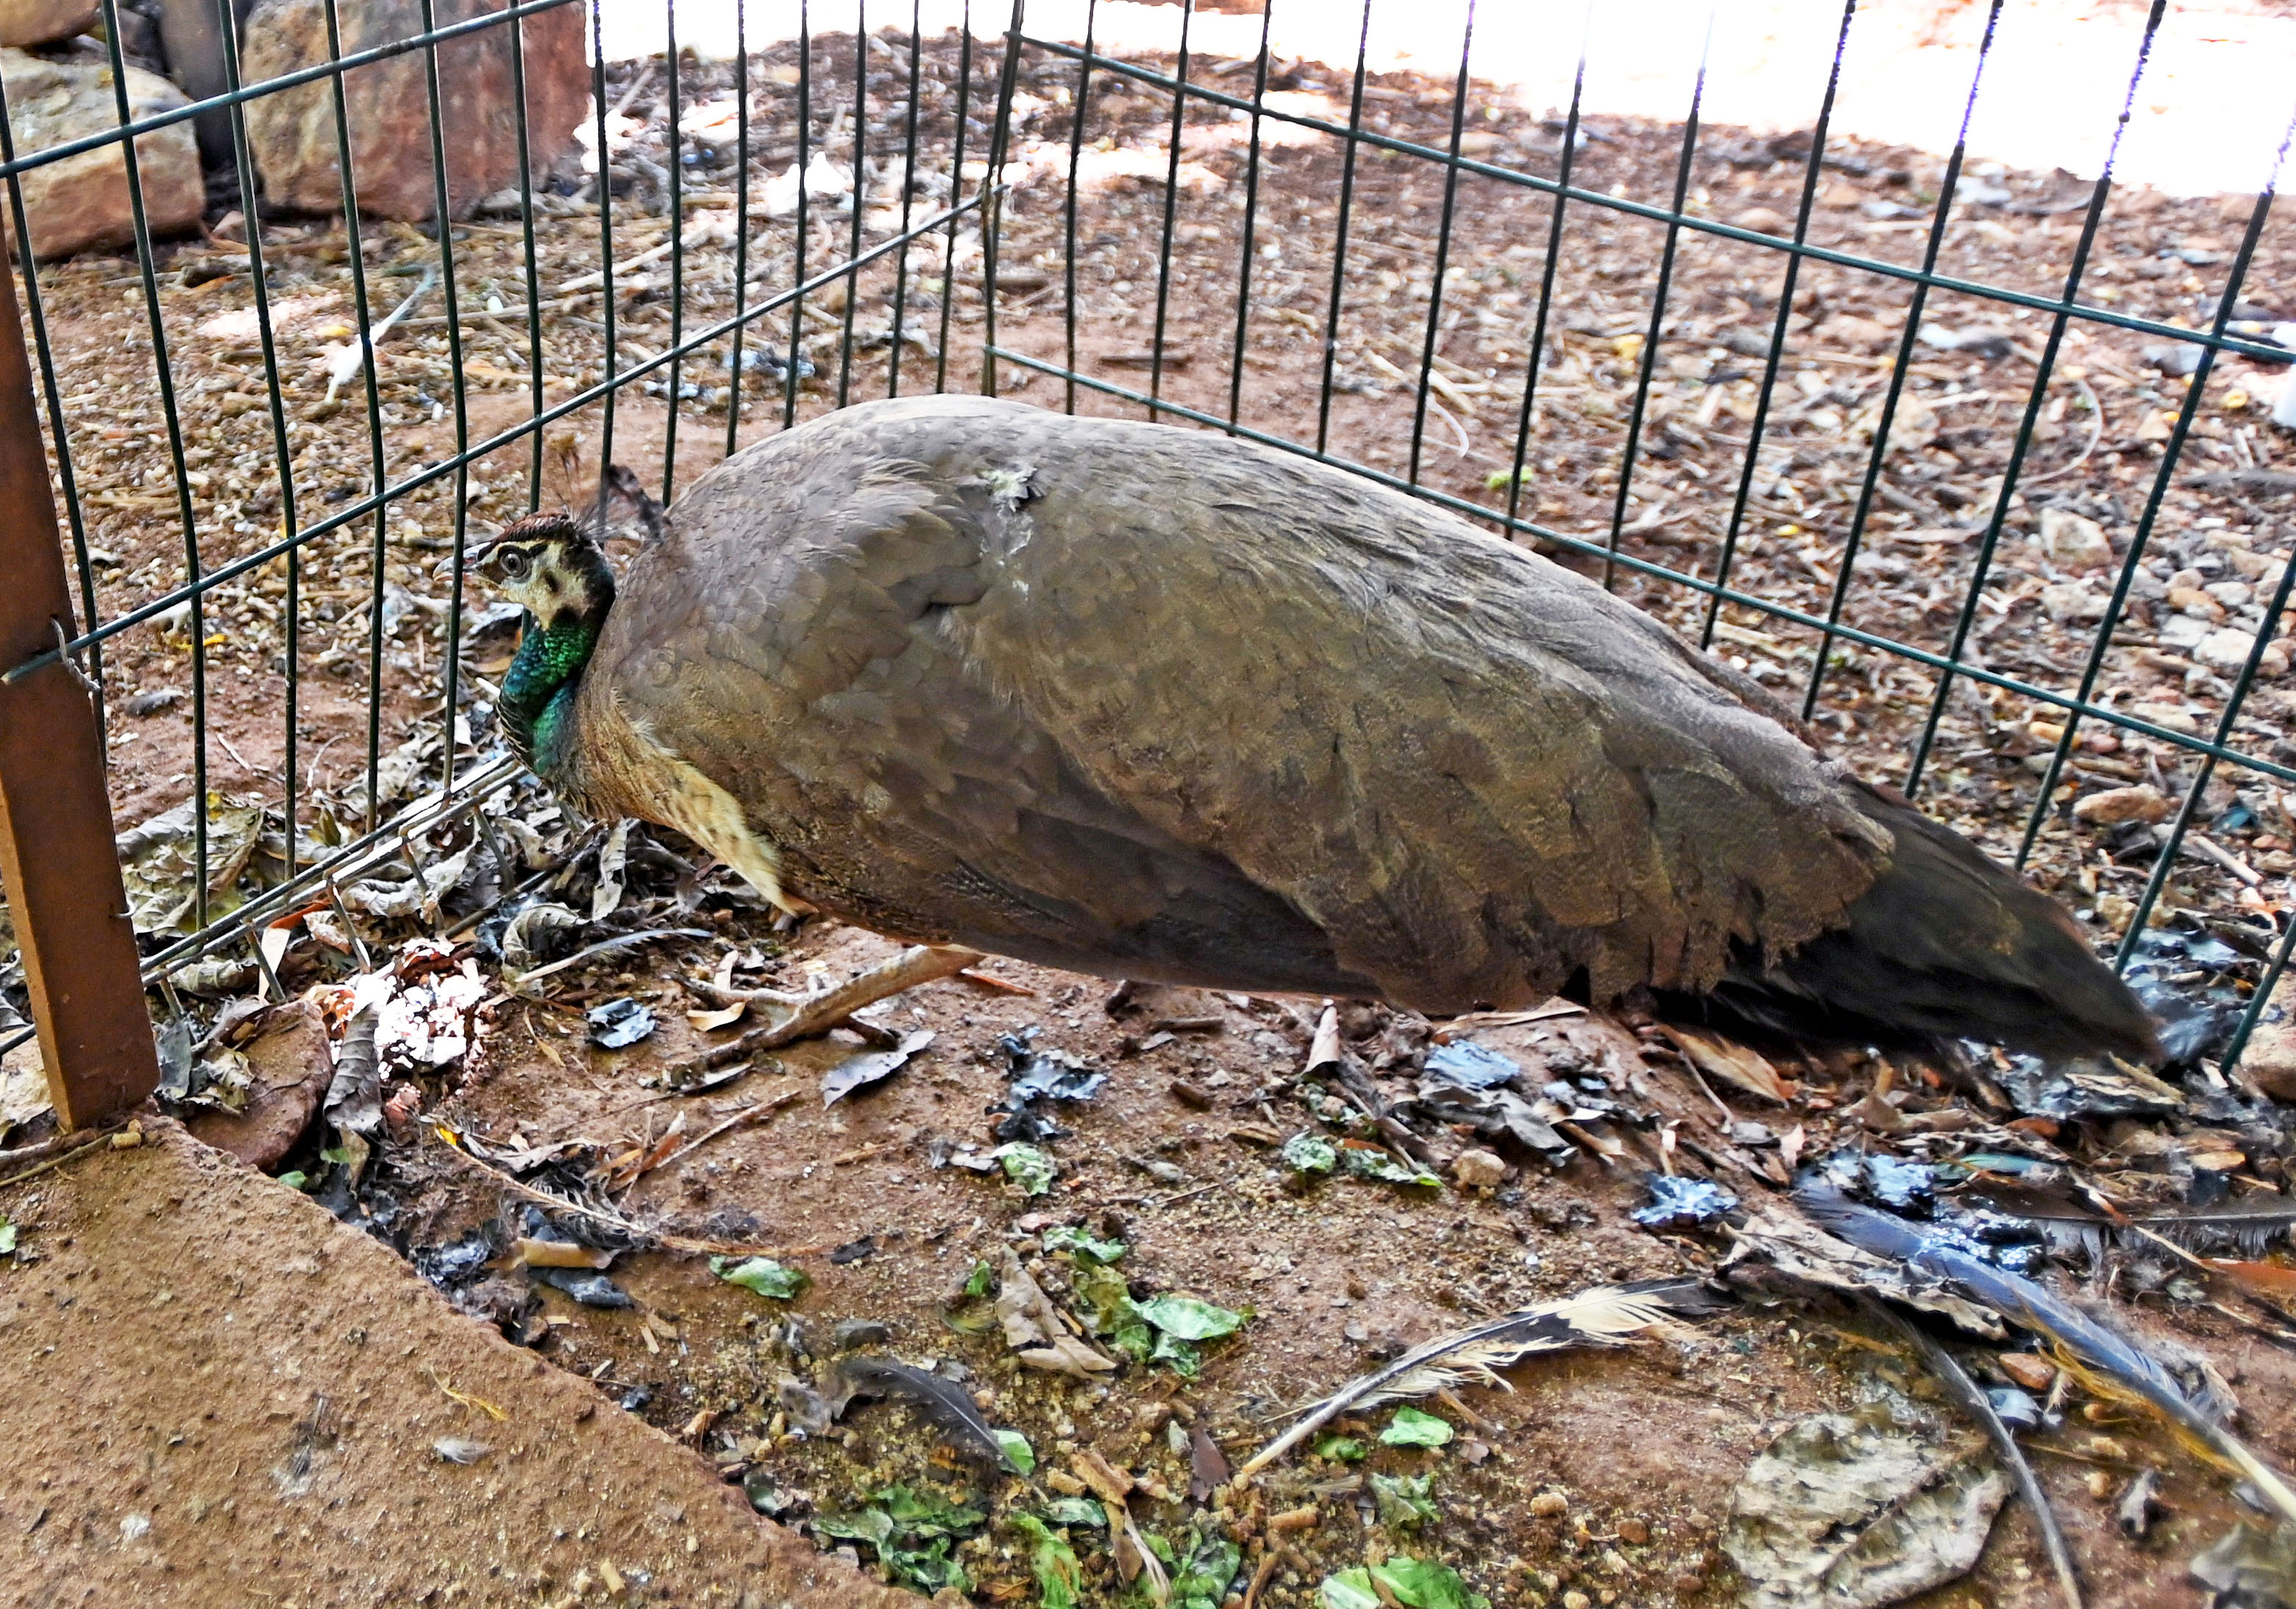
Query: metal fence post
x=61, y=871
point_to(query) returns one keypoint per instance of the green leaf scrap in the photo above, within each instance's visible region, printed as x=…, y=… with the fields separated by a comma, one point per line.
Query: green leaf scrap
x=1412, y=1428
x=1183, y=1357
x=1210, y=1569
x=1309, y=1153
x=1059, y=1575
x=1190, y=1317
x=914, y=1534
x=1342, y=1449
x=7, y=1238
x=1081, y=1245
x=762, y=1275
x=1369, y=1162
x=1415, y=1583
x=1109, y=1311
x=982, y=1280
x=1404, y=1501
x=1027, y=1166
x=1077, y=1511
x=1016, y=1446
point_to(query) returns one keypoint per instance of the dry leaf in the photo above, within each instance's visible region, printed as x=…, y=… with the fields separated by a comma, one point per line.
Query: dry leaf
x=1732, y=1063
x=710, y=1022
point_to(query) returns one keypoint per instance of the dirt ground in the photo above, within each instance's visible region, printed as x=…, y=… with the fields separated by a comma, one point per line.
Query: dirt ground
x=171, y=1294
x=1601, y=1478
x=219, y=1395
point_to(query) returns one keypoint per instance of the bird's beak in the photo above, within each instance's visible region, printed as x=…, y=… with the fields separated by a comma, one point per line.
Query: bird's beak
x=476, y=557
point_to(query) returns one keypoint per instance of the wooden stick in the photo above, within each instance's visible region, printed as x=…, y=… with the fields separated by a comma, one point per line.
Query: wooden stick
x=817, y=1013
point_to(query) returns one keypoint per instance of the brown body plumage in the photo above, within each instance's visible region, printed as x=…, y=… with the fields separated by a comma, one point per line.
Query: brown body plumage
x=1155, y=703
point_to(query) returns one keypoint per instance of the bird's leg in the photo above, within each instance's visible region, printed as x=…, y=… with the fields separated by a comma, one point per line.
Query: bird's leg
x=790, y=1018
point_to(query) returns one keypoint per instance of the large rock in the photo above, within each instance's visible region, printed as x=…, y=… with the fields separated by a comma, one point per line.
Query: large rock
x=2269, y=1062
x=293, y=131
x=43, y=21
x=289, y=1069
x=81, y=201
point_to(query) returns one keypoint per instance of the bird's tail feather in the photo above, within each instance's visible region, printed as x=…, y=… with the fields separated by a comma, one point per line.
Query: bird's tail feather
x=1945, y=945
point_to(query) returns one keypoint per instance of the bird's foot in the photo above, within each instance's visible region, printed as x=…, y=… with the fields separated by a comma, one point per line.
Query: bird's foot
x=791, y=1017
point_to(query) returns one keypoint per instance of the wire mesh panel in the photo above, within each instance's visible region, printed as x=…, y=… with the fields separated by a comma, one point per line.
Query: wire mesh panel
x=282, y=409
x=1973, y=468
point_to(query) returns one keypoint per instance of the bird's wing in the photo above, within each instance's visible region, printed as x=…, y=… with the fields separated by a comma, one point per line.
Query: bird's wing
x=794, y=639
x=1472, y=773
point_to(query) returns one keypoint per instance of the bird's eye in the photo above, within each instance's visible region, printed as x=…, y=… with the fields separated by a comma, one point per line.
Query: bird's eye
x=514, y=564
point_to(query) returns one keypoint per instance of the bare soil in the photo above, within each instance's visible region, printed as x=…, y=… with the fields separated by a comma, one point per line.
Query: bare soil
x=219, y=1395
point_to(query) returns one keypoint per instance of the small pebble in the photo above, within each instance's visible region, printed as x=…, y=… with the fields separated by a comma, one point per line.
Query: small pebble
x=1686, y=1583
x=2100, y=1484
x=2023, y=1368
x=1633, y=1532
x=1547, y=1505
x=1477, y=1170
x=1575, y=1599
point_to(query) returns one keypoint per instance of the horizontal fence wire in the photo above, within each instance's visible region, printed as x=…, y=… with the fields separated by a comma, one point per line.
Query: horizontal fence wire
x=958, y=274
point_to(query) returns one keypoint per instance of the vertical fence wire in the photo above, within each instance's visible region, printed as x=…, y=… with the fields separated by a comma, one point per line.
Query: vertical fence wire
x=1442, y=263
x=1535, y=355
x=156, y=322
x=1351, y=142
x=1250, y=222
x=671, y=399
x=733, y=350
x=282, y=451
x=2092, y=221
x=443, y=220
x=910, y=139
x=1790, y=276
x=1846, y=565
x=1654, y=334
x=795, y=362
x=1171, y=212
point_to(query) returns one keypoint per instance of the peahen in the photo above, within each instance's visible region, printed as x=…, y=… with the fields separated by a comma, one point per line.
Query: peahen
x=1156, y=703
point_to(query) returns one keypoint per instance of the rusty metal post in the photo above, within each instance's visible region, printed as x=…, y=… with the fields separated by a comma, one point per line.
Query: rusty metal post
x=56, y=855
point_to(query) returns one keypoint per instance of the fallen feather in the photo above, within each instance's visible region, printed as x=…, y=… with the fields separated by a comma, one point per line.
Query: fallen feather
x=1605, y=1315
x=619, y=1024
x=948, y=1405
x=1734, y=1065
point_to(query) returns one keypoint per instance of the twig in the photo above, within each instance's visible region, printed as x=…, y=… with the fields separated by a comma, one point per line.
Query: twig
x=817, y=1013
x=2219, y=856
x=1268, y=1561
x=2095, y=435
x=1457, y=429
x=49, y=1146
x=1973, y=1403
x=759, y=1110
x=623, y=941
x=77, y=1151
x=673, y=1243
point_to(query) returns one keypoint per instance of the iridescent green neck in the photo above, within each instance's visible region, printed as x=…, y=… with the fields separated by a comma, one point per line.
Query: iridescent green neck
x=537, y=691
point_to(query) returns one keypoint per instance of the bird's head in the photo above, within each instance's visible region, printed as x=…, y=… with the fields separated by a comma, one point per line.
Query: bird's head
x=551, y=566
